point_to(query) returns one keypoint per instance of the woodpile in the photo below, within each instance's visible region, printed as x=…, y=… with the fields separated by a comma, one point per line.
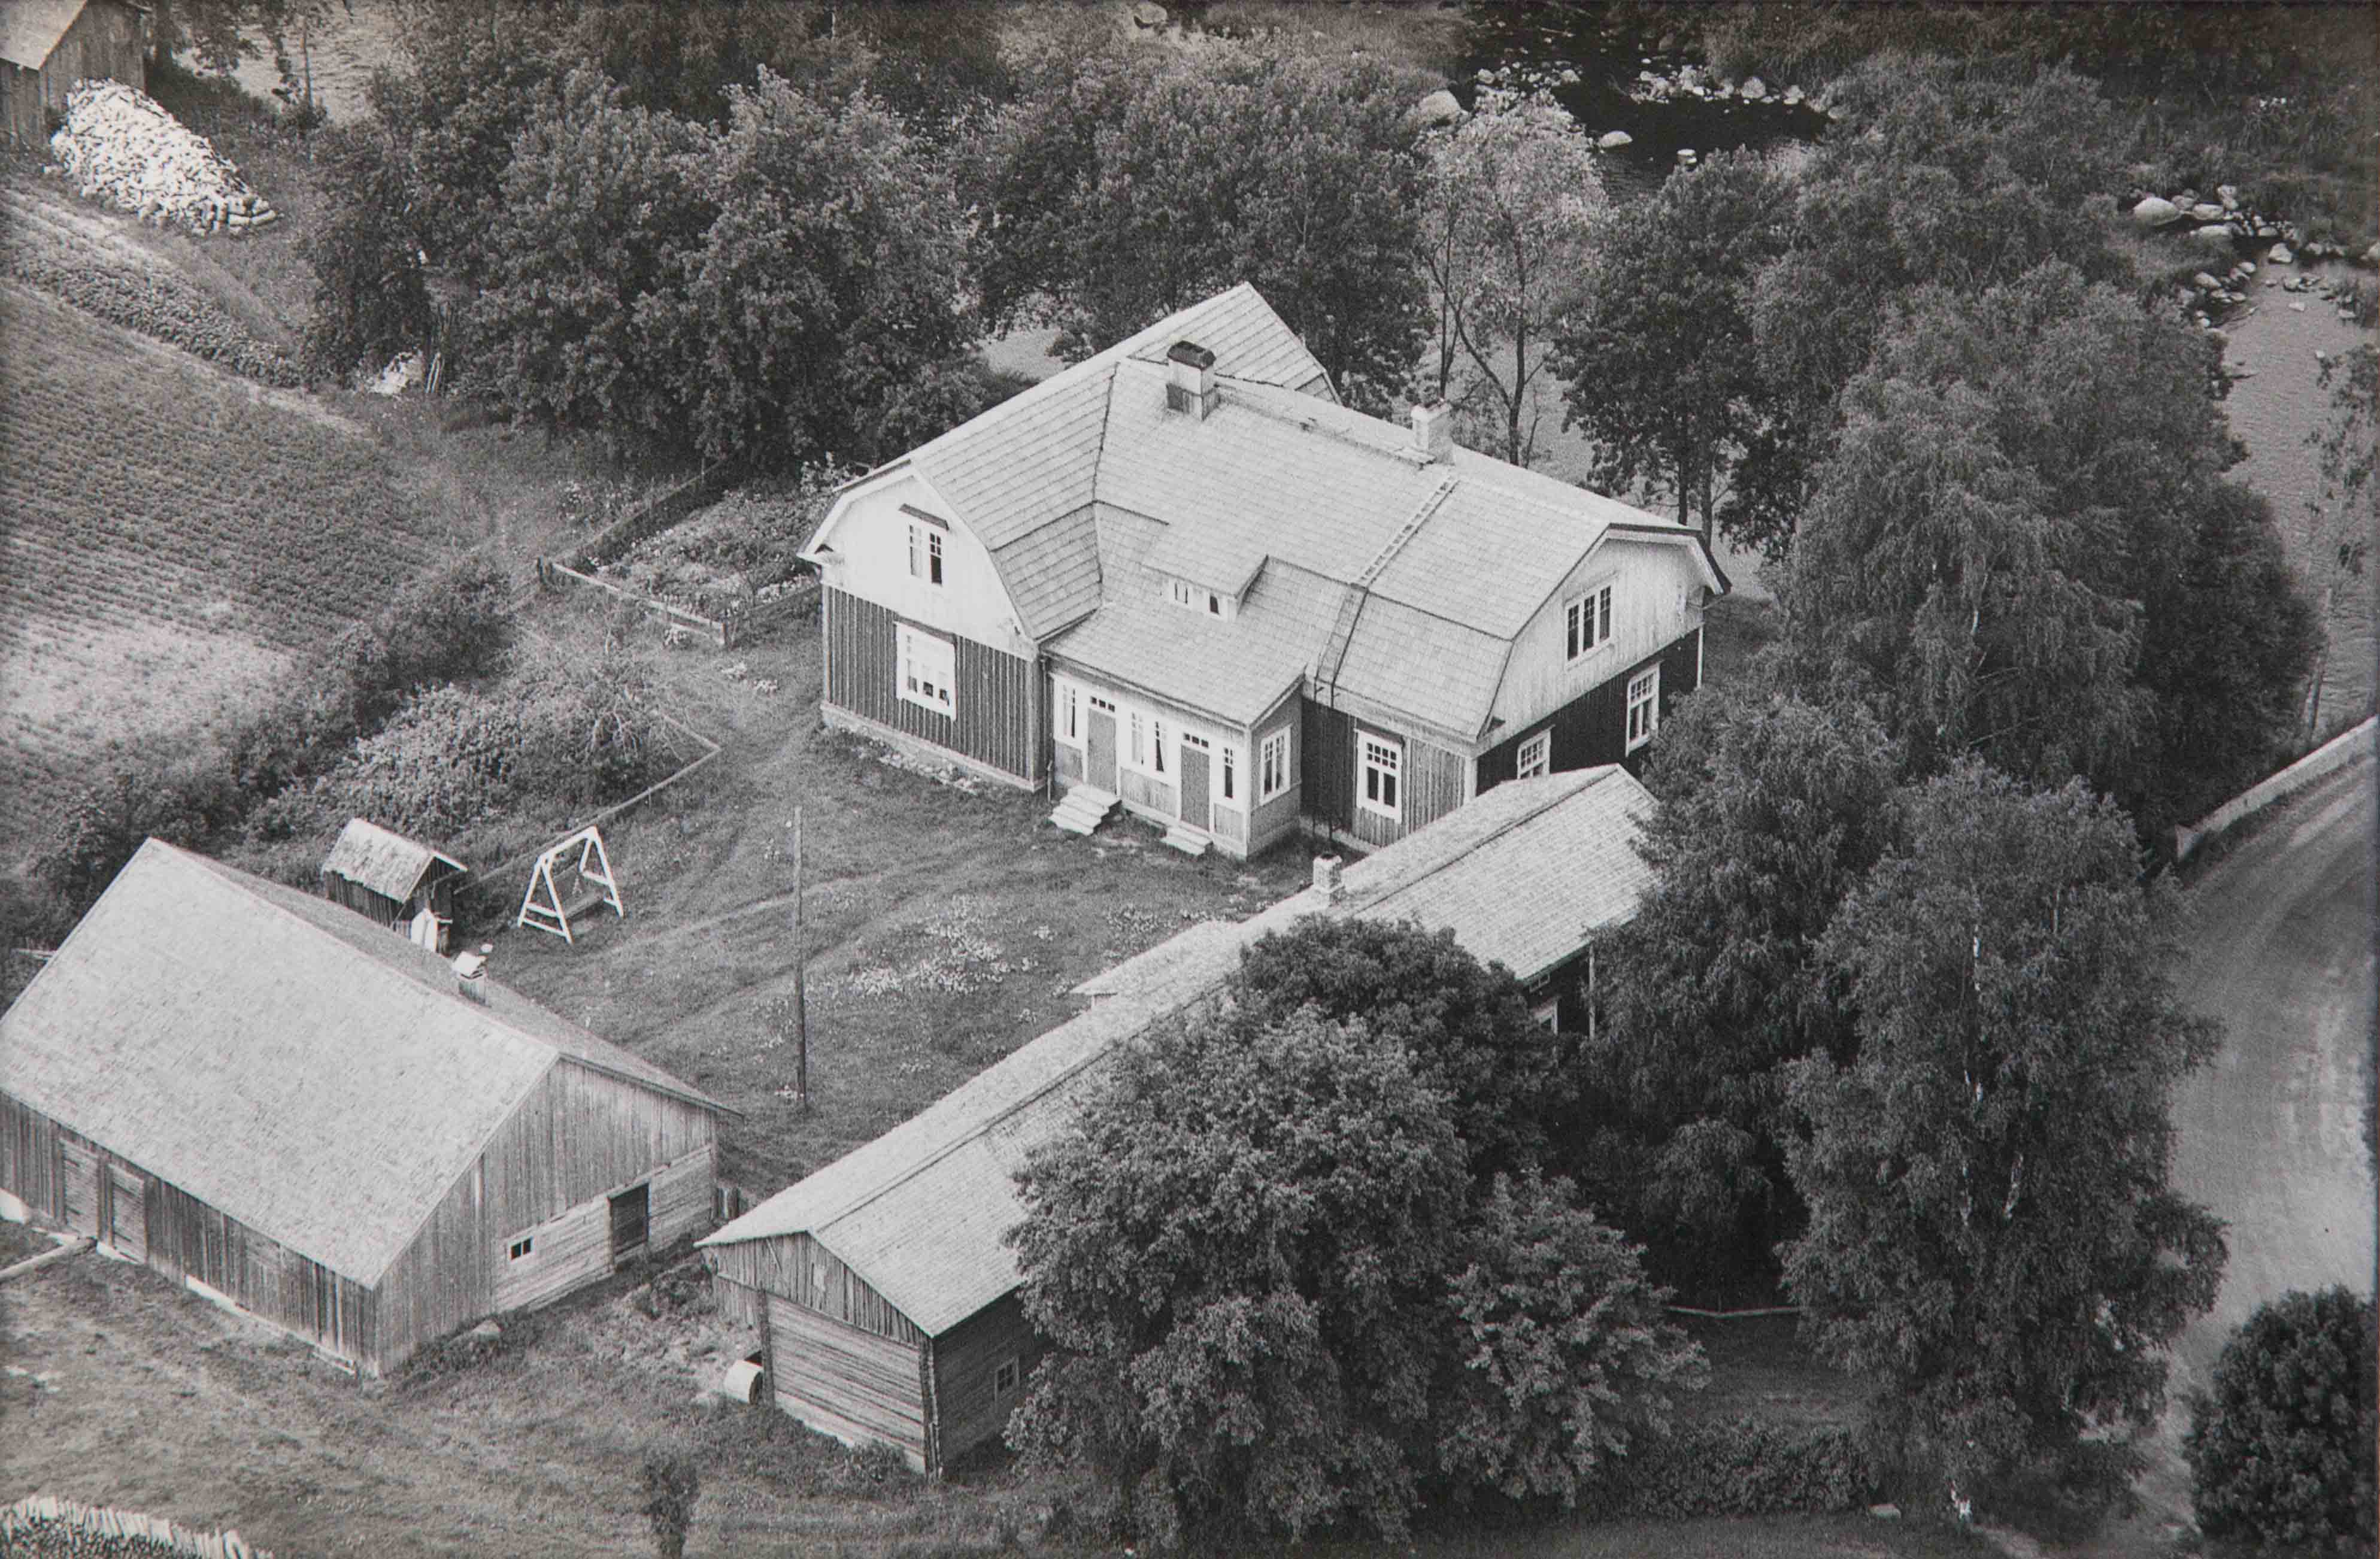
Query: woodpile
x=42, y=1524
x=117, y=145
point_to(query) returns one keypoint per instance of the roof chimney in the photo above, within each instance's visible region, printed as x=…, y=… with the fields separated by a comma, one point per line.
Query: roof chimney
x=470, y=969
x=1433, y=427
x=1326, y=880
x=1191, y=387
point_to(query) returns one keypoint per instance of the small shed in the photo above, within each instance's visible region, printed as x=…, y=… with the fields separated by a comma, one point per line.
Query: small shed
x=47, y=46
x=385, y=876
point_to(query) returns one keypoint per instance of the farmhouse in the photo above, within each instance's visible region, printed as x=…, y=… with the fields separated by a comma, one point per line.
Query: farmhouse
x=885, y=1294
x=407, y=886
x=47, y=46
x=272, y=1099
x=1180, y=578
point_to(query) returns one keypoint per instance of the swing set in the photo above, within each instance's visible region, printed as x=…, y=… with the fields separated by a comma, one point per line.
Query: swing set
x=561, y=890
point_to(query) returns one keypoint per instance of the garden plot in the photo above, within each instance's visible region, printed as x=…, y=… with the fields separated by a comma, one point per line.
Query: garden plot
x=740, y=552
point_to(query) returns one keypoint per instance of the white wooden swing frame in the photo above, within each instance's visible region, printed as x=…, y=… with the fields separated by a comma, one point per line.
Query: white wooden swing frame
x=543, y=907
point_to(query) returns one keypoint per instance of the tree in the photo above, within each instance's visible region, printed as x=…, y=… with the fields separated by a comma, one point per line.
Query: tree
x=1991, y=1241
x=1662, y=366
x=819, y=310
x=672, y=1482
x=2347, y=443
x=1772, y=810
x=1514, y=209
x=2281, y=1452
x=1234, y=1256
x=1467, y=1025
x=370, y=298
x=1124, y=183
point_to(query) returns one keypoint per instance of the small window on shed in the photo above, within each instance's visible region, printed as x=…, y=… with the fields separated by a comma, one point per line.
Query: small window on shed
x=520, y=1247
x=1004, y=1379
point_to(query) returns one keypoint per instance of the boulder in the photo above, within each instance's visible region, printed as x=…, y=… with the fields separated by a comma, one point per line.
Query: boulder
x=2229, y=195
x=2281, y=256
x=2156, y=211
x=2205, y=282
x=1612, y=141
x=1793, y=96
x=1686, y=154
x=2207, y=210
x=1148, y=13
x=1884, y=1512
x=1754, y=91
x=2247, y=267
x=486, y=1331
x=2213, y=236
x=1437, y=108
x=2372, y=256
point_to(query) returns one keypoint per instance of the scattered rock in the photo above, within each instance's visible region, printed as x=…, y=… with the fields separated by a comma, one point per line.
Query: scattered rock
x=2215, y=236
x=2297, y=308
x=2266, y=232
x=2206, y=283
x=1612, y=141
x=2229, y=195
x=2247, y=267
x=1686, y=155
x=1793, y=96
x=1438, y=108
x=1149, y=14
x=2281, y=256
x=1884, y=1512
x=2156, y=211
x=2372, y=258
x=1754, y=91
x=2347, y=312
x=2206, y=211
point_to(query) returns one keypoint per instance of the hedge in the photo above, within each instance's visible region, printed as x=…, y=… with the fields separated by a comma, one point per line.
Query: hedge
x=1743, y=1467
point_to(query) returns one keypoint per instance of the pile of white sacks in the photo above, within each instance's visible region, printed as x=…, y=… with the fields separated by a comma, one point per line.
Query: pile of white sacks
x=118, y=146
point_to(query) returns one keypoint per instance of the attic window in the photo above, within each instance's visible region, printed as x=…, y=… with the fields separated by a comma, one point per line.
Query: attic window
x=521, y=1247
x=1197, y=598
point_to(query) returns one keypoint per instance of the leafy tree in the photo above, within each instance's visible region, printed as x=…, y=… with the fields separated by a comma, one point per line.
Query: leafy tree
x=602, y=208
x=1772, y=811
x=1660, y=354
x=2347, y=443
x=1565, y=1351
x=1467, y=1024
x=819, y=310
x=370, y=300
x=672, y=1482
x=2282, y=1451
x=687, y=59
x=1514, y=210
x=1234, y=1256
x=1991, y=1240
x=182, y=796
x=1124, y=183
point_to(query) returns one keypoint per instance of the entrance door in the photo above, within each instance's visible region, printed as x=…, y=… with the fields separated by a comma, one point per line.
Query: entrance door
x=1102, y=768
x=1194, y=806
x=81, y=1188
x=128, y=1222
x=631, y=1214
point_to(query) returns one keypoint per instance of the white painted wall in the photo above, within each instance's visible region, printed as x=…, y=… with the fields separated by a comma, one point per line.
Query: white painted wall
x=1177, y=722
x=869, y=535
x=1656, y=588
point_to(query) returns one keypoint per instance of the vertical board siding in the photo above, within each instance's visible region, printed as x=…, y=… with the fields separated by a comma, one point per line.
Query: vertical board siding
x=850, y=1383
x=967, y=1360
x=565, y=1253
x=104, y=41
x=798, y=1268
x=20, y=106
x=998, y=719
x=1430, y=784
x=1593, y=728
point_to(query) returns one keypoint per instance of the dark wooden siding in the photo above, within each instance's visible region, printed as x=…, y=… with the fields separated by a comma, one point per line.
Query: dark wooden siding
x=1592, y=728
x=968, y=1409
x=850, y=1383
x=21, y=122
x=797, y=1267
x=107, y=42
x=1432, y=779
x=998, y=719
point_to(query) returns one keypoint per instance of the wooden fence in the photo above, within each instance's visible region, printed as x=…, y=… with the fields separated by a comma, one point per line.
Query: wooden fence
x=29, y=1519
x=724, y=633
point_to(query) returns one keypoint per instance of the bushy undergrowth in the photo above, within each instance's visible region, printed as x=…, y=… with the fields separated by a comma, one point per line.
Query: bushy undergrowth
x=159, y=306
x=762, y=1442
x=1743, y=1467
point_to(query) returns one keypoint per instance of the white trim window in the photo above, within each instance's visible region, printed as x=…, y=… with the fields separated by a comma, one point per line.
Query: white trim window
x=1273, y=764
x=927, y=670
x=1148, y=744
x=1070, y=712
x=926, y=553
x=1380, y=772
x=1535, y=756
x=1228, y=781
x=1587, y=623
x=1183, y=593
x=1644, y=706
x=1155, y=746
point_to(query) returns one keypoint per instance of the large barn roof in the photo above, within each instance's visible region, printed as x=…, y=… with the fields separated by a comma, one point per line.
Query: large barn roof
x=281, y=1059
x=921, y=1213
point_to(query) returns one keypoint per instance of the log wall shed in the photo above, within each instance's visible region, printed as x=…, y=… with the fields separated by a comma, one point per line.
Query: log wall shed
x=46, y=46
x=276, y=1102
x=407, y=886
x=888, y=1299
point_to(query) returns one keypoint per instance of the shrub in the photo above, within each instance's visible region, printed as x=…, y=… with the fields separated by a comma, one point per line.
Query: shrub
x=2282, y=1451
x=185, y=797
x=672, y=1482
x=1743, y=1467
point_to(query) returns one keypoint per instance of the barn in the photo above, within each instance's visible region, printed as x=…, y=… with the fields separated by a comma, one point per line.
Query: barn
x=385, y=877
x=46, y=46
x=274, y=1101
x=884, y=1289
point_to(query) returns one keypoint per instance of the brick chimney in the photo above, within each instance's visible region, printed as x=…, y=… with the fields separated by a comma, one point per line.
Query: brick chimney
x=1191, y=387
x=470, y=973
x=1326, y=880
x=1433, y=428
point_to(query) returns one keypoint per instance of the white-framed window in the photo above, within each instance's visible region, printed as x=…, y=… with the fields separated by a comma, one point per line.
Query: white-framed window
x=1196, y=598
x=1231, y=775
x=1644, y=706
x=1273, y=764
x=928, y=669
x=1070, y=712
x=1004, y=1378
x=1587, y=623
x=1147, y=742
x=926, y=553
x=1535, y=756
x=1105, y=704
x=1380, y=762
x=526, y=1245
x=1155, y=746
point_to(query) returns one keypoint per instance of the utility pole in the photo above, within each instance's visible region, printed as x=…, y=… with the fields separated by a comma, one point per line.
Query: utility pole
x=801, y=1006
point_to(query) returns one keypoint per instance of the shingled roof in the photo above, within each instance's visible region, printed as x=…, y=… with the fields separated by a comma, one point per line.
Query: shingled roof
x=31, y=29
x=385, y=862
x=282, y=1058
x=1522, y=875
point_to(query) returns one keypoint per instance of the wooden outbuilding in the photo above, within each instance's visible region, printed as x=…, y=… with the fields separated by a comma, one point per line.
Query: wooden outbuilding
x=407, y=886
x=886, y=1294
x=47, y=46
x=282, y=1105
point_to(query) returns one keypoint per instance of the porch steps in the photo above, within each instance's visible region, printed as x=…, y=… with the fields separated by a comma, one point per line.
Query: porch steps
x=1190, y=842
x=1084, y=809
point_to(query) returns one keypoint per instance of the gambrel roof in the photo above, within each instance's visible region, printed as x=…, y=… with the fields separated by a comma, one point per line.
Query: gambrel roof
x=1523, y=875
x=280, y=1058
x=1090, y=494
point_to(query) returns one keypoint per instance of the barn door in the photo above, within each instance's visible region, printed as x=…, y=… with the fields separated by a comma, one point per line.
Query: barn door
x=80, y=1186
x=1194, y=808
x=127, y=1212
x=1101, y=771
x=631, y=1217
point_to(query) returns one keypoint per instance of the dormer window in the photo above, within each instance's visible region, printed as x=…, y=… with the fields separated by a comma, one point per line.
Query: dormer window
x=1198, y=598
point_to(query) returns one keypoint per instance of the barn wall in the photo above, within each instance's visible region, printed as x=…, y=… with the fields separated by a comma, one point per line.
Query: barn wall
x=106, y=42
x=997, y=716
x=20, y=106
x=852, y=1385
x=581, y=1133
x=968, y=1408
x=797, y=1267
